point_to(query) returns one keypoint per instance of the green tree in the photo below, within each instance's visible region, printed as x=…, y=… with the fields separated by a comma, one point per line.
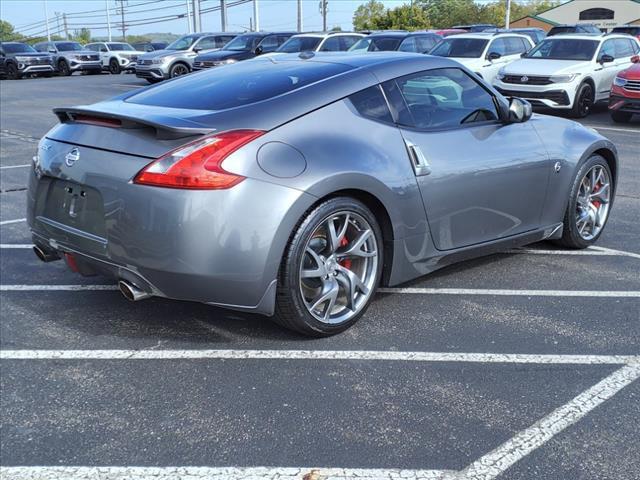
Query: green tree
x=370, y=16
x=138, y=38
x=82, y=36
x=446, y=13
x=407, y=17
x=7, y=32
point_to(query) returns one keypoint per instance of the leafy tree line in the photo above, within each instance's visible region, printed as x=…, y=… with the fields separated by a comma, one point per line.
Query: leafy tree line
x=424, y=14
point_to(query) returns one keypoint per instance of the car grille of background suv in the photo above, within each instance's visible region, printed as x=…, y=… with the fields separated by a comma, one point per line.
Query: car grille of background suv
x=527, y=79
x=87, y=58
x=632, y=85
x=558, y=96
x=144, y=62
x=38, y=61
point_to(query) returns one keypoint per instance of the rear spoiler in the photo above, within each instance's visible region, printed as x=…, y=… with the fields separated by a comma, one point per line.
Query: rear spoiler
x=163, y=129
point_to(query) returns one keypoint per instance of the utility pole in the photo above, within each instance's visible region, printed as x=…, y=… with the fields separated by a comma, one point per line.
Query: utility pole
x=189, y=25
x=196, y=15
x=323, y=12
x=46, y=18
x=58, y=29
x=256, y=18
x=223, y=15
x=106, y=8
x=508, y=14
x=123, y=28
x=299, y=15
x=64, y=23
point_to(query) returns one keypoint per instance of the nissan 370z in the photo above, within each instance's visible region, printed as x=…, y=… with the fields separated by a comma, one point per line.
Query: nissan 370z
x=295, y=186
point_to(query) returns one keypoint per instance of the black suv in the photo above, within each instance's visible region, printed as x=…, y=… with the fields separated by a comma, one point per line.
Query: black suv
x=574, y=28
x=19, y=59
x=243, y=47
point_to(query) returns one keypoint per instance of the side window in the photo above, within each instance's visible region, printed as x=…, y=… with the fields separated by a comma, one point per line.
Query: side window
x=623, y=48
x=408, y=45
x=331, y=44
x=526, y=45
x=282, y=39
x=442, y=98
x=41, y=47
x=425, y=43
x=269, y=44
x=634, y=46
x=498, y=46
x=516, y=46
x=347, y=41
x=608, y=48
x=370, y=103
x=222, y=41
x=207, y=43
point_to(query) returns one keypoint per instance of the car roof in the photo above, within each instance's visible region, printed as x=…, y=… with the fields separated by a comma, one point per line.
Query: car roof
x=488, y=35
x=326, y=34
x=588, y=36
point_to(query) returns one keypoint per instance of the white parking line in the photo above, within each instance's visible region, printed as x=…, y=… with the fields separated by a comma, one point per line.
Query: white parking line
x=496, y=462
x=209, y=473
x=367, y=355
x=520, y=293
x=12, y=246
x=630, y=130
x=591, y=251
x=14, y=166
x=17, y=220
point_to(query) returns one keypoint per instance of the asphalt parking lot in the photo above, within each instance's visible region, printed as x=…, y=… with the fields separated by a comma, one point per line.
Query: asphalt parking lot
x=522, y=365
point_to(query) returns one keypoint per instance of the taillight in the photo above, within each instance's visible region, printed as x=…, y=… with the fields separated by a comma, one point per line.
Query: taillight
x=197, y=165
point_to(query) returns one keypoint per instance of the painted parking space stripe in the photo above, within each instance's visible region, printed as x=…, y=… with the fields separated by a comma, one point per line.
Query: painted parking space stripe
x=15, y=246
x=14, y=166
x=490, y=466
x=9, y=222
x=209, y=473
x=368, y=355
x=507, y=292
x=614, y=129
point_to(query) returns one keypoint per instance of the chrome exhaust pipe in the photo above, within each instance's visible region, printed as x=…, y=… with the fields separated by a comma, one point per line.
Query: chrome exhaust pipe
x=46, y=255
x=131, y=292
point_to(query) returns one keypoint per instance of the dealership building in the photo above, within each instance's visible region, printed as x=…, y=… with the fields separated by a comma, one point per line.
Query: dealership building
x=605, y=14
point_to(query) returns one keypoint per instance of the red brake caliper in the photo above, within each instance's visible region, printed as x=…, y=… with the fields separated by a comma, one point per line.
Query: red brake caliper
x=346, y=263
x=596, y=203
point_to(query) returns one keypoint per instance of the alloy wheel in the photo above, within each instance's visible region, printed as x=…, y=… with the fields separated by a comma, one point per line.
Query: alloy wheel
x=339, y=267
x=179, y=70
x=593, y=201
x=586, y=101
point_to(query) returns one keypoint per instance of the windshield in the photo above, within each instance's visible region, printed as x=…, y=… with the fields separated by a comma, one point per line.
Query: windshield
x=17, y=48
x=565, y=49
x=119, y=46
x=377, y=44
x=68, y=46
x=243, y=43
x=628, y=30
x=183, y=43
x=299, y=44
x=460, y=48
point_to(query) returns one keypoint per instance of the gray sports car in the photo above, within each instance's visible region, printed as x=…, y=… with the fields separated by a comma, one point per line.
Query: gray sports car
x=294, y=186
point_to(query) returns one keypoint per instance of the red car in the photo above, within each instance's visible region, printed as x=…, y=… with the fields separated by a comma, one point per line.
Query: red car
x=449, y=31
x=625, y=93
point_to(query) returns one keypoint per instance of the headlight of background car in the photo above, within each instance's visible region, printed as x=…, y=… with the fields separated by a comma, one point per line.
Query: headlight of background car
x=158, y=61
x=619, y=81
x=501, y=74
x=228, y=61
x=22, y=59
x=564, y=78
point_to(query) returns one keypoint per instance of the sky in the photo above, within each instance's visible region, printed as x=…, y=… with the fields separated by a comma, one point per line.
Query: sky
x=274, y=15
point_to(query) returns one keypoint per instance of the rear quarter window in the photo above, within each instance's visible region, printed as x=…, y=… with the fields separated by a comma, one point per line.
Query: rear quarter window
x=236, y=85
x=370, y=103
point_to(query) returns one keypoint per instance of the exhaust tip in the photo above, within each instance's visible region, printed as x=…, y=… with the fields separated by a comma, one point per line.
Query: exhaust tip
x=45, y=256
x=131, y=292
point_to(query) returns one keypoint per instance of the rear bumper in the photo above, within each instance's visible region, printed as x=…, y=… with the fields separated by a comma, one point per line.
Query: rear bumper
x=220, y=247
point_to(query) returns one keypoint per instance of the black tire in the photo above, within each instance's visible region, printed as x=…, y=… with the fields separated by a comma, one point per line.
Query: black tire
x=621, y=117
x=12, y=71
x=63, y=68
x=178, y=70
x=570, y=236
x=153, y=80
x=583, y=102
x=114, y=67
x=291, y=311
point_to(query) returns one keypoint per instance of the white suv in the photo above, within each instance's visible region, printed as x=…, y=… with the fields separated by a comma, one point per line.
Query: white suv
x=116, y=56
x=568, y=72
x=319, y=42
x=484, y=53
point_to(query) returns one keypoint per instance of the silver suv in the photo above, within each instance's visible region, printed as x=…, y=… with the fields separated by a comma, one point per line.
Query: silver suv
x=177, y=58
x=69, y=57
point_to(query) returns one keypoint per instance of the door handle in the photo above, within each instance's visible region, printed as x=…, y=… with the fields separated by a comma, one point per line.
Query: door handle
x=420, y=163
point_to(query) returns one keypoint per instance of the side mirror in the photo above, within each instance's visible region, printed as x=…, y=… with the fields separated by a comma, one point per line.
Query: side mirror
x=519, y=110
x=148, y=48
x=259, y=50
x=103, y=49
x=493, y=56
x=52, y=50
x=635, y=59
x=197, y=49
x=606, y=59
